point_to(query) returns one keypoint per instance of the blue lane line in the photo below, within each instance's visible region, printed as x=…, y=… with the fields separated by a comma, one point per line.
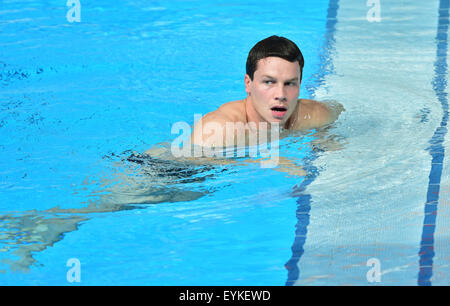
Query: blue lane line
x=304, y=200
x=436, y=150
x=302, y=214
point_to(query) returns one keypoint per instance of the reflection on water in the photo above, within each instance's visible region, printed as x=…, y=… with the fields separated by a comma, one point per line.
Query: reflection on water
x=26, y=233
x=134, y=181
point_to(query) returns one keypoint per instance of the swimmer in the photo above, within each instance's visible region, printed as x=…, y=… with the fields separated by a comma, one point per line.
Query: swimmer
x=272, y=83
x=274, y=73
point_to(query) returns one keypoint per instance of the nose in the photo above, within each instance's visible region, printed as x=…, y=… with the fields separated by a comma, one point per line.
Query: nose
x=280, y=93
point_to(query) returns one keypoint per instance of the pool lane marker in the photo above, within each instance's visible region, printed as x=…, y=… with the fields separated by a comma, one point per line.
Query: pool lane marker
x=304, y=200
x=436, y=150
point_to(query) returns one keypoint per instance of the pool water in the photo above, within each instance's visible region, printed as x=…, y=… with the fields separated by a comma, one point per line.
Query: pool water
x=78, y=99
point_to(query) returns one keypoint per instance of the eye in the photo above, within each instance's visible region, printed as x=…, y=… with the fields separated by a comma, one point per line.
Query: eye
x=268, y=82
x=291, y=84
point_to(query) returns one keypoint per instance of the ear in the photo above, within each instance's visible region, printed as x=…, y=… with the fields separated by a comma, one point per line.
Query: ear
x=247, y=82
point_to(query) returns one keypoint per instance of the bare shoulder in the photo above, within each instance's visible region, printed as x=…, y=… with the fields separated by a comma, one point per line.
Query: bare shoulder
x=228, y=112
x=233, y=111
x=205, y=130
x=314, y=114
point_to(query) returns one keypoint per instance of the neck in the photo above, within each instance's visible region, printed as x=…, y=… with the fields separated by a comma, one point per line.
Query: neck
x=290, y=123
x=250, y=112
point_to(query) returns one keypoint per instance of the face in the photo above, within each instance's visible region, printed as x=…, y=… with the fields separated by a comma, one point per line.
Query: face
x=274, y=91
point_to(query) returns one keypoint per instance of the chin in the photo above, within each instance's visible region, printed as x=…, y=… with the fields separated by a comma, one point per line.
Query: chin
x=279, y=121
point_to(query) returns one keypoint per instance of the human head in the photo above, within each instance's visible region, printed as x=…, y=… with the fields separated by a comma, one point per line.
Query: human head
x=272, y=81
x=275, y=46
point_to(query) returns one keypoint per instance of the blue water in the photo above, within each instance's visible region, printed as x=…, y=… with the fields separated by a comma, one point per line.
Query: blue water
x=78, y=98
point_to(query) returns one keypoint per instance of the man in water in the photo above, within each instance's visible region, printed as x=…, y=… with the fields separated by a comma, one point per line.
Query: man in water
x=272, y=82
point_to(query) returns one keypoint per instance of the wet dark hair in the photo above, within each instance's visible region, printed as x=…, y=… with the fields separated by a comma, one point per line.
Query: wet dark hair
x=274, y=46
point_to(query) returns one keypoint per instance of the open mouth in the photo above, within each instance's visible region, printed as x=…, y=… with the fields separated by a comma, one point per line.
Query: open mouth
x=278, y=111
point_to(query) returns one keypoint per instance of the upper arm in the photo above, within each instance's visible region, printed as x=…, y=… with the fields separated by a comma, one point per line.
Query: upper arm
x=209, y=131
